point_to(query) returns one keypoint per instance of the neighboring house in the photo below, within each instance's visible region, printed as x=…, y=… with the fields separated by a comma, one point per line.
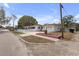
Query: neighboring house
x=69, y=29
x=52, y=27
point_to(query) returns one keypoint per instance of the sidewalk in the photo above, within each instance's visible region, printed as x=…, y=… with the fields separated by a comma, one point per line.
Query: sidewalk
x=34, y=34
x=10, y=45
x=48, y=38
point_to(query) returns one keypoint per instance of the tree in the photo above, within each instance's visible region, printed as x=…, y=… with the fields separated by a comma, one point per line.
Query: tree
x=26, y=21
x=77, y=26
x=68, y=21
x=2, y=15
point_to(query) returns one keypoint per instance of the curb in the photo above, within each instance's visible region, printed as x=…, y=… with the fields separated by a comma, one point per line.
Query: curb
x=29, y=52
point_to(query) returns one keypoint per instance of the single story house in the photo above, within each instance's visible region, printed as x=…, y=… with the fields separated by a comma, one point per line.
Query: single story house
x=48, y=27
x=34, y=28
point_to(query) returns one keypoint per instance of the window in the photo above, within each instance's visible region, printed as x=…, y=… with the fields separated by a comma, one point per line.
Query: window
x=32, y=27
x=38, y=27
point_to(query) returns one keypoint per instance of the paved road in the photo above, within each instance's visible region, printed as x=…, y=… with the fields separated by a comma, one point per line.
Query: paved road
x=10, y=45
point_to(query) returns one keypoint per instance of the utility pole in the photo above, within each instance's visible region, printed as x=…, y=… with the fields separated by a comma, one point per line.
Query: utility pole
x=14, y=17
x=62, y=24
x=13, y=22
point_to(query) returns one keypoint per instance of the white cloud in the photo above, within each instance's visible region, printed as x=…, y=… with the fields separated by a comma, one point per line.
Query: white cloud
x=77, y=16
x=55, y=20
x=47, y=19
x=18, y=16
x=6, y=5
x=43, y=19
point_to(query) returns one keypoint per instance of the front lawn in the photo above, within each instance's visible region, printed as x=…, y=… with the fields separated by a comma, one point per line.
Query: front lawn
x=34, y=39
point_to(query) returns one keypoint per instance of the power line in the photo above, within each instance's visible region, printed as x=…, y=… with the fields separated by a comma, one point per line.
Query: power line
x=12, y=12
x=13, y=16
x=65, y=10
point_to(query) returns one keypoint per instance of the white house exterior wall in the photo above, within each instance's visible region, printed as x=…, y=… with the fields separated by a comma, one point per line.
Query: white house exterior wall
x=35, y=29
x=54, y=28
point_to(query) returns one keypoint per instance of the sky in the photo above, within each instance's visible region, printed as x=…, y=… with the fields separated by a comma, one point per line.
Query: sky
x=43, y=12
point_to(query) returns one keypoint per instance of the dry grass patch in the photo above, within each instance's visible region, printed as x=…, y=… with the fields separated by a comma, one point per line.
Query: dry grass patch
x=34, y=39
x=67, y=35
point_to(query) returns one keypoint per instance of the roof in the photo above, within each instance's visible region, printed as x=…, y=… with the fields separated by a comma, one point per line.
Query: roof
x=46, y=25
x=34, y=25
x=52, y=24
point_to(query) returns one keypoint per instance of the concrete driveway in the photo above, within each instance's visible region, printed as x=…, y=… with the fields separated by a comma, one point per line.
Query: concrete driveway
x=29, y=33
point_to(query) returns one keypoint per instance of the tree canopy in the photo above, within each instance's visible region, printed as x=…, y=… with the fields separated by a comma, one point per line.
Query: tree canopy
x=68, y=21
x=26, y=21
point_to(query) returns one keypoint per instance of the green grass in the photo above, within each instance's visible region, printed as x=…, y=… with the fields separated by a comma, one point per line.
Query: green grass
x=34, y=39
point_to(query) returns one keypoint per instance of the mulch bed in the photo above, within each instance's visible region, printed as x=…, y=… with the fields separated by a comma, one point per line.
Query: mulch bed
x=49, y=35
